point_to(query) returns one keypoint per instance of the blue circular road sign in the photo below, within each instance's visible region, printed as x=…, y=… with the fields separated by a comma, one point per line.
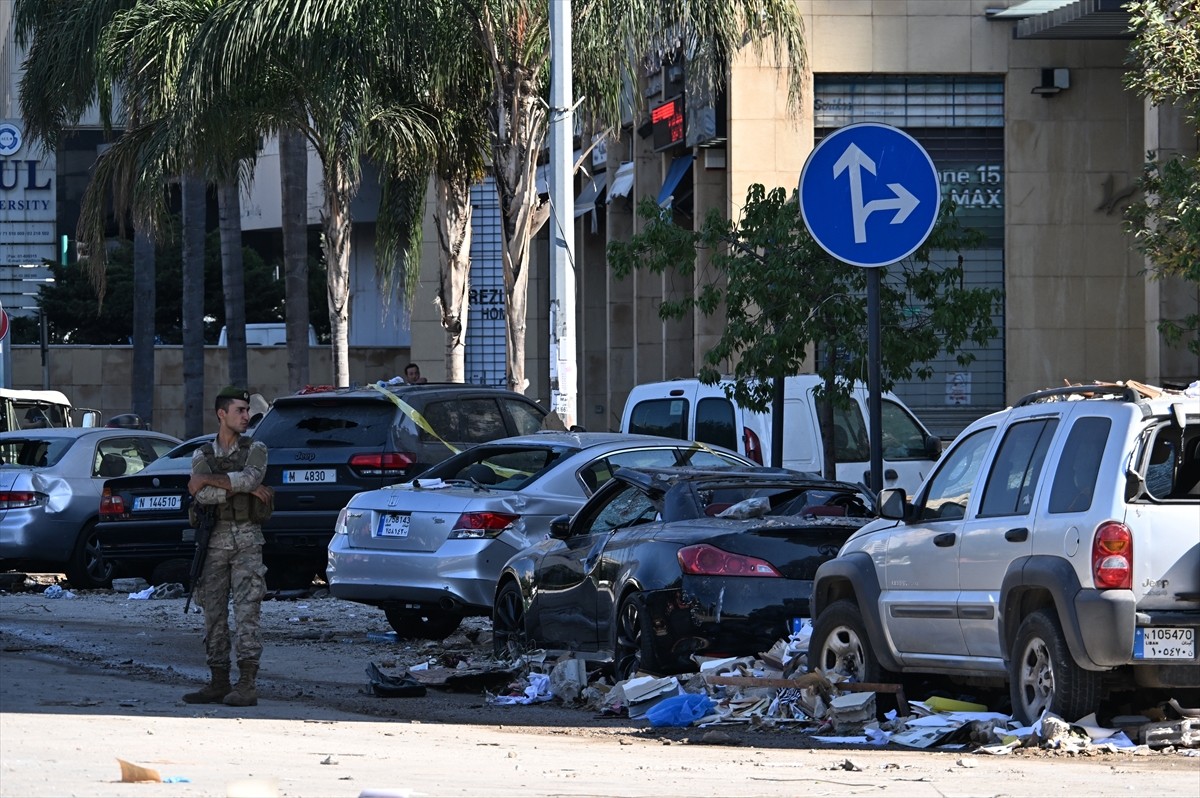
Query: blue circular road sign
x=869, y=194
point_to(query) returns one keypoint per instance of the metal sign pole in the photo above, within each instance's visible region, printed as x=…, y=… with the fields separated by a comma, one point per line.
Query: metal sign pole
x=874, y=377
x=870, y=195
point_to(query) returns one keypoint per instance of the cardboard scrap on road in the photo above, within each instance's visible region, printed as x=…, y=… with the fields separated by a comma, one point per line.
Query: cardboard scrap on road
x=135, y=774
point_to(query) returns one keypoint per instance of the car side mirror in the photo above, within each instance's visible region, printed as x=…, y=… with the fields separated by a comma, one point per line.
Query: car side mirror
x=91, y=418
x=560, y=527
x=933, y=446
x=893, y=504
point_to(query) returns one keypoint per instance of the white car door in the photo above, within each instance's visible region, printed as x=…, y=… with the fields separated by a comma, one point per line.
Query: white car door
x=923, y=622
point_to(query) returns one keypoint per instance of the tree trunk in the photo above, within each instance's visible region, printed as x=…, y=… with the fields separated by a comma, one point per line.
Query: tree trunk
x=452, y=219
x=825, y=414
x=144, y=304
x=233, y=280
x=337, y=263
x=523, y=213
x=518, y=128
x=193, y=191
x=293, y=176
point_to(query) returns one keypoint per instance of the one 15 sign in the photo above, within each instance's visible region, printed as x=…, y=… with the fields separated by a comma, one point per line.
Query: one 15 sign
x=666, y=121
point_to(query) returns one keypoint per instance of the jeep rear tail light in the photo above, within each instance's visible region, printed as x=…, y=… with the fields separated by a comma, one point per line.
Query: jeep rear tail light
x=481, y=525
x=12, y=499
x=110, y=504
x=705, y=560
x=1112, y=557
x=753, y=445
x=374, y=464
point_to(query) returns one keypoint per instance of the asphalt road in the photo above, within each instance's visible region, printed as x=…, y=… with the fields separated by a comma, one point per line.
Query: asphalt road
x=87, y=681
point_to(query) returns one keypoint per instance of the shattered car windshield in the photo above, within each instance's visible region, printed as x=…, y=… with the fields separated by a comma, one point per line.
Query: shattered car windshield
x=500, y=468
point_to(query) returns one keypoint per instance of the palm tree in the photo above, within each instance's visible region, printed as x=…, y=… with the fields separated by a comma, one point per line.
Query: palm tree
x=334, y=70
x=62, y=81
x=456, y=87
x=293, y=177
x=141, y=47
x=612, y=37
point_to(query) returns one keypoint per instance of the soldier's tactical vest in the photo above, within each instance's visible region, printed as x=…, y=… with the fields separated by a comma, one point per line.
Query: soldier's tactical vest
x=241, y=507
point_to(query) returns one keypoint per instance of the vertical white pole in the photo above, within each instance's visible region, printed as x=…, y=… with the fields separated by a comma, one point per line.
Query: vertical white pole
x=563, y=355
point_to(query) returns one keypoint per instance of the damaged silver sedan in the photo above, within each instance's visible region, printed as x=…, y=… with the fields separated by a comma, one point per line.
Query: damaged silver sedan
x=428, y=551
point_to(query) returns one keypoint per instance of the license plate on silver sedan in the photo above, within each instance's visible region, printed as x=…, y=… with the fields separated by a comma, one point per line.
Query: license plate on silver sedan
x=393, y=525
x=309, y=476
x=1164, y=642
x=143, y=503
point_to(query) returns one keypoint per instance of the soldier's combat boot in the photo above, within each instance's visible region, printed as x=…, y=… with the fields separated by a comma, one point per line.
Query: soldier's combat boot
x=244, y=693
x=218, y=687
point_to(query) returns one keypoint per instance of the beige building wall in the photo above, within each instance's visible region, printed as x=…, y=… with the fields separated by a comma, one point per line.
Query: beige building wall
x=1079, y=304
x=100, y=377
x=1075, y=296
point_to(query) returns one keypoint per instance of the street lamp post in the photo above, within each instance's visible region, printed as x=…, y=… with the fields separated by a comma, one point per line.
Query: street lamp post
x=563, y=354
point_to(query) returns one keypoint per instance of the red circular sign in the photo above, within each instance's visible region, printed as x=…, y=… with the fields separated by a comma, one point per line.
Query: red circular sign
x=3, y=324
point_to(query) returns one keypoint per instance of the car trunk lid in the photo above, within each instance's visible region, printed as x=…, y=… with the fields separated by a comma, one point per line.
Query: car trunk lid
x=412, y=519
x=794, y=547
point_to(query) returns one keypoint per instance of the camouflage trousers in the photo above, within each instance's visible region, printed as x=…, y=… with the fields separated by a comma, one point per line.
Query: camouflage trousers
x=237, y=576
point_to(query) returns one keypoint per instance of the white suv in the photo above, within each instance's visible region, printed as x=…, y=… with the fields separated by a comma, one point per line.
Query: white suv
x=1055, y=545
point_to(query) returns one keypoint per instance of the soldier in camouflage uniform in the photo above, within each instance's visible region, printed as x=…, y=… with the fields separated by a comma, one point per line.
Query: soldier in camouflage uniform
x=234, y=566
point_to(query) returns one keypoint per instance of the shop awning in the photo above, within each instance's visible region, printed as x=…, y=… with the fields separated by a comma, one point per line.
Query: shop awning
x=622, y=182
x=586, y=201
x=679, y=168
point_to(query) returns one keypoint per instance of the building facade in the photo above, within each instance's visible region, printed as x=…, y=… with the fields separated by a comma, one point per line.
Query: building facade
x=1044, y=170
x=1021, y=105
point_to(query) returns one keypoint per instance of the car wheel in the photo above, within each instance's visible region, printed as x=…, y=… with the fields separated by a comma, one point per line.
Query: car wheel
x=1043, y=675
x=508, y=622
x=172, y=571
x=839, y=644
x=88, y=568
x=424, y=625
x=632, y=651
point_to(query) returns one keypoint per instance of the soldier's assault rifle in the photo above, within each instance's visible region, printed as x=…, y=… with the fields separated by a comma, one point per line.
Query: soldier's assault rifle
x=205, y=517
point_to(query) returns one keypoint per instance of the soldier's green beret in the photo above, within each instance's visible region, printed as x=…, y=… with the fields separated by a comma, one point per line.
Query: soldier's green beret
x=233, y=392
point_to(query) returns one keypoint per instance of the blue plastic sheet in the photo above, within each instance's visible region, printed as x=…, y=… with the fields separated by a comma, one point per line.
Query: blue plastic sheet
x=680, y=710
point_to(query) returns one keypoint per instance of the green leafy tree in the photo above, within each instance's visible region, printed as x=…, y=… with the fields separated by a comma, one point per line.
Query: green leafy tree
x=781, y=296
x=1164, y=64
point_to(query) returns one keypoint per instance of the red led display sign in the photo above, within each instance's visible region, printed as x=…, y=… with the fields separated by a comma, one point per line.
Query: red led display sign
x=666, y=122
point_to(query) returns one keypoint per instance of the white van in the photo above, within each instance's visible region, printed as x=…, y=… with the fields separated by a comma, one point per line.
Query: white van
x=266, y=334
x=689, y=409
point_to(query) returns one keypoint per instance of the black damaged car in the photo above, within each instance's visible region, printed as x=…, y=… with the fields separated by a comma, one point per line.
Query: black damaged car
x=662, y=564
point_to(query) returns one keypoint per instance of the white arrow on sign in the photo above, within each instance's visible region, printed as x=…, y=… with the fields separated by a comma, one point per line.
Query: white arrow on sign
x=903, y=202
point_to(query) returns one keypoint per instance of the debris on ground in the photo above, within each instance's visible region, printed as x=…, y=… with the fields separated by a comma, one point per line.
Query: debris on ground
x=402, y=685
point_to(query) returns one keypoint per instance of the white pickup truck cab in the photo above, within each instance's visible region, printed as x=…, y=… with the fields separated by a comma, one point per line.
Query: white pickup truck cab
x=40, y=409
x=689, y=409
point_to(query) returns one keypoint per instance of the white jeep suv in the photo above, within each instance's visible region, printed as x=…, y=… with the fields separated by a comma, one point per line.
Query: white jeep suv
x=1056, y=544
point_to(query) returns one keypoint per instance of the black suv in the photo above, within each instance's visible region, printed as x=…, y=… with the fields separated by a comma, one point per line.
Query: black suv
x=328, y=445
